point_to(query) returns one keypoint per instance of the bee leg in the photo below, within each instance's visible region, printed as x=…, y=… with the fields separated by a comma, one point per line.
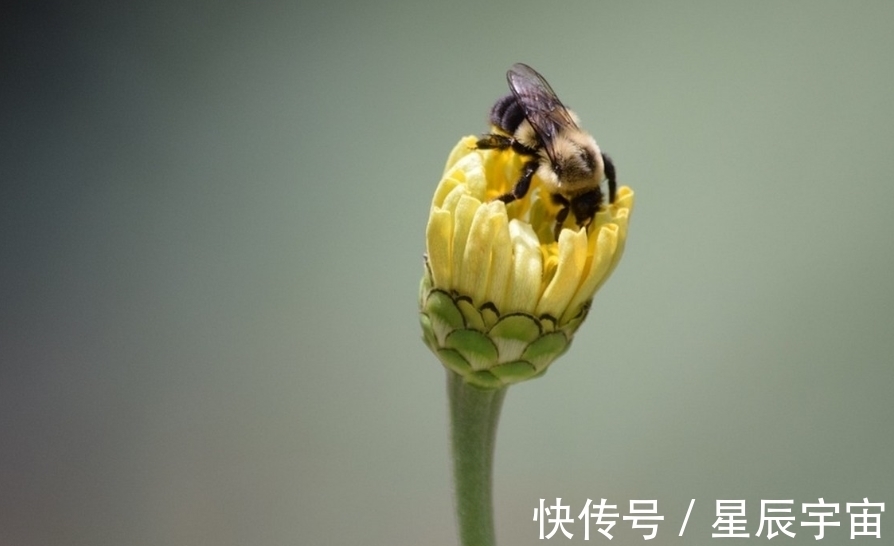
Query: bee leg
x=563, y=212
x=610, y=175
x=493, y=141
x=521, y=187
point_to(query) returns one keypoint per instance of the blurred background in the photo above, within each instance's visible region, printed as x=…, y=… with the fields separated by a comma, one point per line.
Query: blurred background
x=211, y=238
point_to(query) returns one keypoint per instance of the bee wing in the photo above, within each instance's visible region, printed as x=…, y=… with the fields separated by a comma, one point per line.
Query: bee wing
x=543, y=109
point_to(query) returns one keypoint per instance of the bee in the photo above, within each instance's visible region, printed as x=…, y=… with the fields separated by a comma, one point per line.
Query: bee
x=534, y=123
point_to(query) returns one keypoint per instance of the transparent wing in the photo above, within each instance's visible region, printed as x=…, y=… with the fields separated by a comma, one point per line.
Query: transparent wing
x=543, y=109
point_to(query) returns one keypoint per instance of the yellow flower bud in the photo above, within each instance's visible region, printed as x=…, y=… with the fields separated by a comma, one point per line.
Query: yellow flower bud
x=500, y=297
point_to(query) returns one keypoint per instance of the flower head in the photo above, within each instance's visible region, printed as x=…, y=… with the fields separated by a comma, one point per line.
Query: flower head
x=500, y=297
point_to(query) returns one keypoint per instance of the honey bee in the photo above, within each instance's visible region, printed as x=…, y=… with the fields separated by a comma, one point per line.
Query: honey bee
x=534, y=123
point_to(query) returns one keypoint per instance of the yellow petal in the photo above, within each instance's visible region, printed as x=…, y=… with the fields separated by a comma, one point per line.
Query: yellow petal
x=476, y=181
x=462, y=224
x=473, y=275
x=572, y=257
x=523, y=291
x=624, y=207
x=501, y=260
x=602, y=247
x=452, y=200
x=447, y=186
x=464, y=147
x=621, y=211
x=438, y=243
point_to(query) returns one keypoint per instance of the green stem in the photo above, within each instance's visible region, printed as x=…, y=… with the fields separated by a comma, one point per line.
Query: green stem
x=474, y=414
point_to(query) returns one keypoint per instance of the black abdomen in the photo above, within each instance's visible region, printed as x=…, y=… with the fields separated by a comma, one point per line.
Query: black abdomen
x=507, y=114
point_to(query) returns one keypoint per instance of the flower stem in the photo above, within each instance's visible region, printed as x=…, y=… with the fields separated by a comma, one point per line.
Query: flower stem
x=474, y=414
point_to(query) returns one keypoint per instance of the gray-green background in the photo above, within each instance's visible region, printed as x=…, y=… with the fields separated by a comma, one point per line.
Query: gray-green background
x=211, y=229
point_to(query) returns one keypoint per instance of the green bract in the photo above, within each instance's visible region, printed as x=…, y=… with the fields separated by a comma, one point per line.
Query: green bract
x=486, y=348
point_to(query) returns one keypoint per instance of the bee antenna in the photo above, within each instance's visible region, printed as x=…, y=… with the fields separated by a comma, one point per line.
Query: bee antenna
x=609, y=168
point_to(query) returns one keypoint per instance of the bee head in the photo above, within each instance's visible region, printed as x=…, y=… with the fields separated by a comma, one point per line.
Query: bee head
x=585, y=206
x=577, y=158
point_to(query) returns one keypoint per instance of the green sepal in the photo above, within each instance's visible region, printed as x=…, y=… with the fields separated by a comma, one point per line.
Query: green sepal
x=453, y=360
x=546, y=349
x=513, y=372
x=428, y=333
x=443, y=313
x=512, y=335
x=484, y=380
x=474, y=346
x=517, y=326
x=472, y=315
x=574, y=323
x=424, y=286
x=490, y=315
x=486, y=349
